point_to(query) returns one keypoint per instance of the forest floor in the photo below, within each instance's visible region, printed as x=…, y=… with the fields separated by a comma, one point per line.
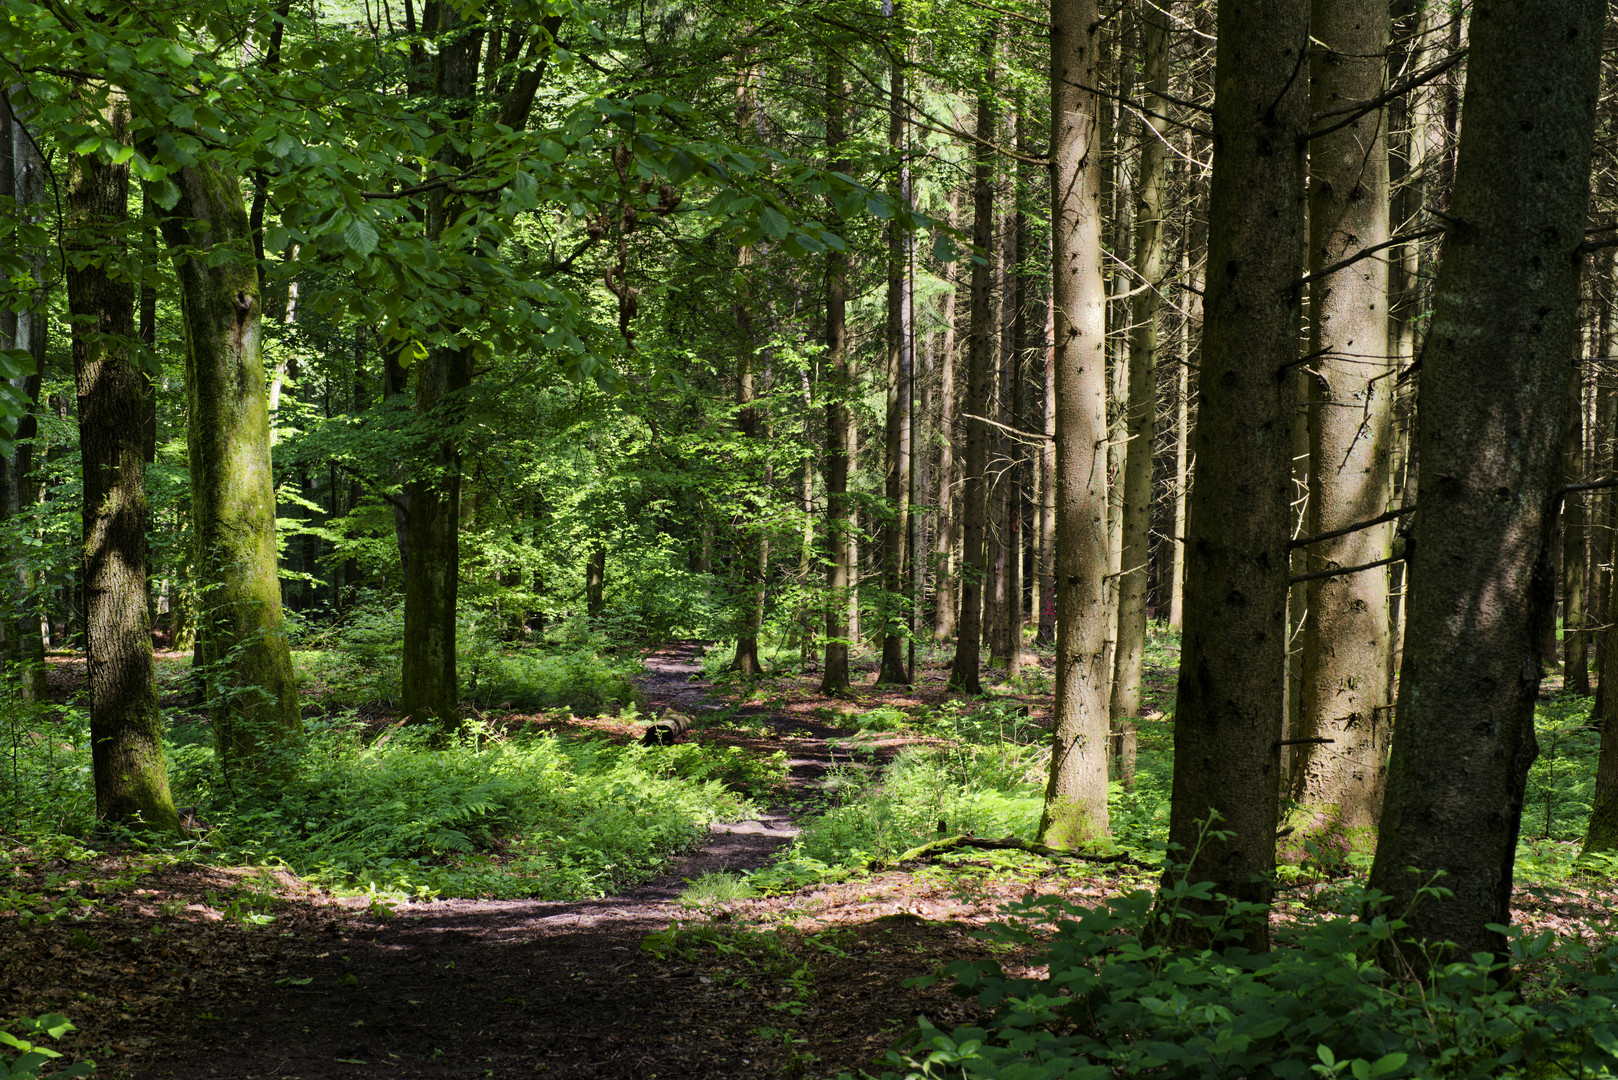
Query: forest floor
x=176, y=972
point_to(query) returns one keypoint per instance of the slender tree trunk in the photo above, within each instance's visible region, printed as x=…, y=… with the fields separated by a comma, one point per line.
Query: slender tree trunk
x=241, y=642
x=1575, y=652
x=1046, y=511
x=1493, y=402
x=430, y=683
x=1140, y=424
x=1076, y=795
x=1233, y=652
x=897, y=460
x=944, y=602
x=964, y=674
x=839, y=425
x=1344, y=695
x=25, y=174
x=595, y=581
x=126, y=728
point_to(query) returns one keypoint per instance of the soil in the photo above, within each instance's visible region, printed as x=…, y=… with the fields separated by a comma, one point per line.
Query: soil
x=165, y=978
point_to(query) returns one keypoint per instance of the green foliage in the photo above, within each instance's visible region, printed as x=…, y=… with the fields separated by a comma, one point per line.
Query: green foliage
x=539, y=816
x=1561, y=783
x=1106, y=1005
x=45, y=762
x=32, y=1056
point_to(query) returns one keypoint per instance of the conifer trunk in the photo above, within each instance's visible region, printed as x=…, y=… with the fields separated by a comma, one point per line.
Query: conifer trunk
x=1140, y=416
x=1230, y=696
x=1076, y=795
x=1494, y=377
x=1344, y=692
x=964, y=674
x=839, y=426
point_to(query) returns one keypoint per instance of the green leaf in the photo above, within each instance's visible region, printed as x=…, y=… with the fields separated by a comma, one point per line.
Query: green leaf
x=165, y=194
x=179, y=54
x=360, y=237
x=774, y=223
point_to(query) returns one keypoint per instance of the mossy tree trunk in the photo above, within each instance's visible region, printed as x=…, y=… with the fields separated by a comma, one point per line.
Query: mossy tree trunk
x=1230, y=695
x=1076, y=795
x=1344, y=693
x=126, y=732
x=248, y=667
x=1494, y=384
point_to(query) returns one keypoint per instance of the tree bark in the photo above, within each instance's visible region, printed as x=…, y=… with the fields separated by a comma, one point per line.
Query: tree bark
x=839, y=425
x=964, y=674
x=1575, y=538
x=429, y=676
x=1140, y=416
x=1230, y=695
x=944, y=588
x=126, y=731
x=1076, y=795
x=897, y=460
x=247, y=664
x=1344, y=696
x=1493, y=401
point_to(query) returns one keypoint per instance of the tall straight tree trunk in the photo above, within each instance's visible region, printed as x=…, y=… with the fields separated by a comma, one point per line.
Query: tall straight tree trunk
x=25, y=175
x=430, y=683
x=754, y=555
x=241, y=640
x=944, y=596
x=964, y=674
x=897, y=463
x=1140, y=423
x=1045, y=596
x=839, y=425
x=1076, y=796
x=1344, y=694
x=126, y=727
x=1575, y=537
x=1227, y=724
x=1493, y=401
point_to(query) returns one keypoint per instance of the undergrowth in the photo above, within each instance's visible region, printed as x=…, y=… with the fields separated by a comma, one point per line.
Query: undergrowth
x=1102, y=1004
x=534, y=815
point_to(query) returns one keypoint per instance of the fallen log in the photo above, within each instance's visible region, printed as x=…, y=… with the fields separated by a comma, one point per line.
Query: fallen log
x=668, y=727
x=935, y=848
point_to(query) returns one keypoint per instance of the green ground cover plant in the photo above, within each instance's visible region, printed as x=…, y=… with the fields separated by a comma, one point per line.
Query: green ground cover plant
x=1105, y=1005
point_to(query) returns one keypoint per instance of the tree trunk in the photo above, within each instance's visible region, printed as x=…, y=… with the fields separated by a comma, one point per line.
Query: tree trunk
x=964, y=673
x=1575, y=651
x=1230, y=696
x=251, y=686
x=430, y=680
x=23, y=646
x=1076, y=795
x=595, y=581
x=126, y=728
x=897, y=460
x=1493, y=402
x=1344, y=695
x=944, y=590
x=839, y=425
x=1140, y=423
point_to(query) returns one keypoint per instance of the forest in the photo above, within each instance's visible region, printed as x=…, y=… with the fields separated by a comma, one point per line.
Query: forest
x=912, y=540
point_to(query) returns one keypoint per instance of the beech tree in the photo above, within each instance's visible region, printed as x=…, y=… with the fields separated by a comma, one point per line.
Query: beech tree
x=126, y=742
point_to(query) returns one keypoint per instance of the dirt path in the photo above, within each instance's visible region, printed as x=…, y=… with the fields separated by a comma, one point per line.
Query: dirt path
x=462, y=988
